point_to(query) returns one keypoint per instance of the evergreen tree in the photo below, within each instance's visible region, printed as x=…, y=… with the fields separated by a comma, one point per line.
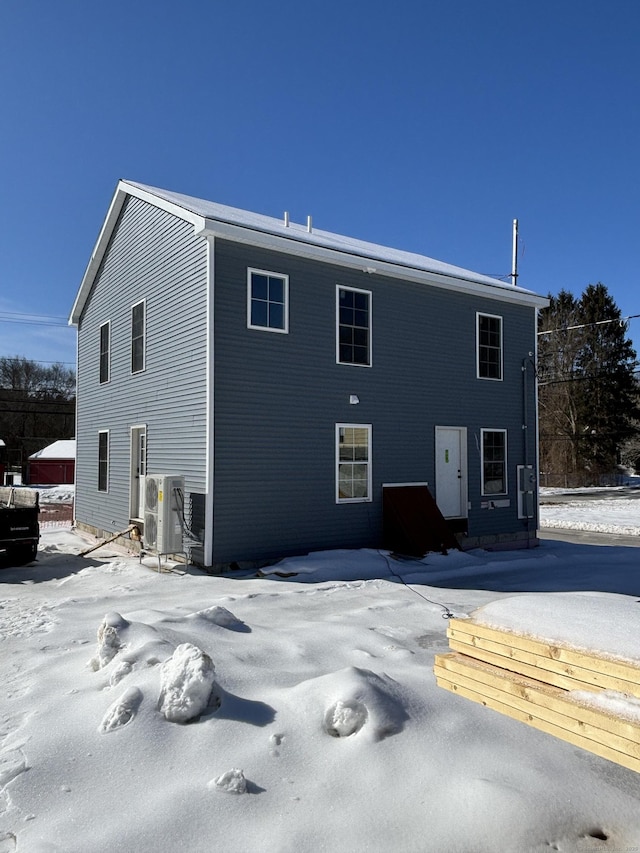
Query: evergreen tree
x=587, y=389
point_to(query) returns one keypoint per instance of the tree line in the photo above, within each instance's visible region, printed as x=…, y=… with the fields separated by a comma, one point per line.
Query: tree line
x=37, y=407
x=589, y=393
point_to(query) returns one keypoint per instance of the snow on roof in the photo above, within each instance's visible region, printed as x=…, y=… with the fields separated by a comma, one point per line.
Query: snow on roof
x=211, y=218
x=326, y=239
x=62, y=449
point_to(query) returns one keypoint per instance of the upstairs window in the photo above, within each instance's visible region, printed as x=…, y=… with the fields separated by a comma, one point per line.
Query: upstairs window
x=353, y=463
x=138, y=337
x=103, y=461
x=353, y=326
x=489, y=354
x=105, y=344
x=267, y=301
x=494, y=462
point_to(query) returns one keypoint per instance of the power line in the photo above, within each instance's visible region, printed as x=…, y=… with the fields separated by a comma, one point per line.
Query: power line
x=620, y=320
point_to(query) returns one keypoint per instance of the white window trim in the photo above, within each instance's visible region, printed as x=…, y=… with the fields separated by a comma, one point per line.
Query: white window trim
x=104, y=432
x=493, y=317
x=369, y=497
x=108, y=379
x=506, y=467
x=369, y=293
x=285, y=279
x=142, y=302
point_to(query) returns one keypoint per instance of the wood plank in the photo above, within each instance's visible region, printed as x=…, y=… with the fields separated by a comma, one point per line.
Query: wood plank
x=514, y=658
x=467, y=630
x=530, y=718
x=549, y=703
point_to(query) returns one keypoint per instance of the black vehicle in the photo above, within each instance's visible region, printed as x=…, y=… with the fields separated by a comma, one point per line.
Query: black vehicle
x=19, y=527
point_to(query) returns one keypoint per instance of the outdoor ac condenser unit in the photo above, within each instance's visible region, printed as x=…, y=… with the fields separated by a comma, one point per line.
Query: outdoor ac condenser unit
x=163, y=497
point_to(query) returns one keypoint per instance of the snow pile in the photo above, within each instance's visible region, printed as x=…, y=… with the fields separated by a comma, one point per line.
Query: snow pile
x=320, y=726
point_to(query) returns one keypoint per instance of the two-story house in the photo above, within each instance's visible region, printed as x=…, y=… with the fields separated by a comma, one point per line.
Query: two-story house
x=288, y=374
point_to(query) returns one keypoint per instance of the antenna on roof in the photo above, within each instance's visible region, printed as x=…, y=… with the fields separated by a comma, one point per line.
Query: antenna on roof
x=309, y=224
x=286, y=219
x=514, y=263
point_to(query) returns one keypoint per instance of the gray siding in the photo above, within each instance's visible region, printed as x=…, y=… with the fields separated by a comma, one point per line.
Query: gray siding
x=278, y=398
x=152, y=256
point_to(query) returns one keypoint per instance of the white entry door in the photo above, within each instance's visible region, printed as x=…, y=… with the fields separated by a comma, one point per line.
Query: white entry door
x=138, y=469
x=451, y=471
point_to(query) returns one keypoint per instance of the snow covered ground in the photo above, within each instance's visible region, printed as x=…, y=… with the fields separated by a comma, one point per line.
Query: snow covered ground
x=315, y=720
x=606, y=515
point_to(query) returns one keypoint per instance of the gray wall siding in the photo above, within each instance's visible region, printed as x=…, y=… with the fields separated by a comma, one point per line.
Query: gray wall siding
x=278, y=398
x=155, y=257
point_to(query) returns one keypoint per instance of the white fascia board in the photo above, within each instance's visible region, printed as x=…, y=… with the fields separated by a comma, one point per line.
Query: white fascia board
x=300, y=248
x=122, y=191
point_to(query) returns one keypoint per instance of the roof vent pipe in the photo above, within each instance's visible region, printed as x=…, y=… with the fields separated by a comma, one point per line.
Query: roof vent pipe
x=286, y=219
x=309, y=224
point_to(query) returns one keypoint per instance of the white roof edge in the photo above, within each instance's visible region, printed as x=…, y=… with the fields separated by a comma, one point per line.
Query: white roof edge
x=123, y=189
x=213, y=219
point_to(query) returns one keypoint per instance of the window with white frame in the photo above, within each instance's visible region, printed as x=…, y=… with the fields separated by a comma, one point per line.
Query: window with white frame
x=105, y=345
x=489, y=346
x=103, y=461
x=353, y=321
x=267, y=301
x=494, y=461
x=353, y=463
x=138, y=337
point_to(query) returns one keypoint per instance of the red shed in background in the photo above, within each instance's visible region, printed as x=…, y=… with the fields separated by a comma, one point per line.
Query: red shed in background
x=55, y=465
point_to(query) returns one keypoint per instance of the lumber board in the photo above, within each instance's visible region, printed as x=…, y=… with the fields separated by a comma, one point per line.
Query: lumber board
x=561, y=666
x=549, y=703
x=573, y=657
x=531, y=719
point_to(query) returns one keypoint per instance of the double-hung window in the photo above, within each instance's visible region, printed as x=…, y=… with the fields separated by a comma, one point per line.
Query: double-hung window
x=489, y=346
x=353, y=463
x=353, y=320
x=105, y=345
x=494, y=461
x=267, y=301
x=138, y=337
x=103, y=461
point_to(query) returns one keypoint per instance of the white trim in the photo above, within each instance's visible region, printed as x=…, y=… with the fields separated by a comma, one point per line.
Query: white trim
x=104, y=432
x=492, y=495
x=285, y=279
x=137, y=428
x=295, y=245
x=210, y=407
x=340, y=287
x=369, y=497
x=493, y=317
x=108, y=379
x=133, y=372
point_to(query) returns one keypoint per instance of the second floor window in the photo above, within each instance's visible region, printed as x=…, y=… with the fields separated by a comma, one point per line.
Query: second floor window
x=354, y=326
x=137, y=337
x=489, y=338
x=103, y=461
x=105, y=343
x=267, y=301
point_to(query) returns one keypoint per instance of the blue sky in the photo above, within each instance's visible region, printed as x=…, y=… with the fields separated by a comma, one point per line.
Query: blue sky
x=426, y=126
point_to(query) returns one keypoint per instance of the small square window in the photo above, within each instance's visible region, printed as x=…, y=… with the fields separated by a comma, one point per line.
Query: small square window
x=267, y=301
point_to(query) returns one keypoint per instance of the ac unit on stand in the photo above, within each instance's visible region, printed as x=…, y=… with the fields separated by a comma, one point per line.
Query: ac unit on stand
x=163, y=506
